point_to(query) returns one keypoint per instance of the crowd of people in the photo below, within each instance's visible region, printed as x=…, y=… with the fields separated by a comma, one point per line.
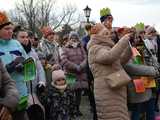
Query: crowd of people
x=116, y=67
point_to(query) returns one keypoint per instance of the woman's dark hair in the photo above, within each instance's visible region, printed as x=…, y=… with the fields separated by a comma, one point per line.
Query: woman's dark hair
x=66, y=37
x=30, y=34
x=88, y=27
x=3, y=25
x=36, y=39
x=115, y=37
x=18, y=29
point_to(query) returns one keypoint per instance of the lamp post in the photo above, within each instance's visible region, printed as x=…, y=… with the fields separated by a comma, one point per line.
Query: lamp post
x=87, y=12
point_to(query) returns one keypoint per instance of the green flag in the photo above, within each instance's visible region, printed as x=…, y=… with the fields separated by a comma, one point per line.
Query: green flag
x=29, y=69
x=70, y=78
x=137, y=60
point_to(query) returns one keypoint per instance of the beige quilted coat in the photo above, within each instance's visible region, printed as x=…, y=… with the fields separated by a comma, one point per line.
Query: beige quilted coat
x=104, y=58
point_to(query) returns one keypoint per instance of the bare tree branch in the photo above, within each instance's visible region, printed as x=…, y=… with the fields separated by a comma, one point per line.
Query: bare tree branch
x=36, y=14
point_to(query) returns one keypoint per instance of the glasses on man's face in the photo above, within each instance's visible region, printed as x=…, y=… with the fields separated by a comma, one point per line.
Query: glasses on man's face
x=110, y=18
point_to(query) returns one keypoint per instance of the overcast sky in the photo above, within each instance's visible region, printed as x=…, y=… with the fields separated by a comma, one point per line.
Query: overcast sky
x=125, y=12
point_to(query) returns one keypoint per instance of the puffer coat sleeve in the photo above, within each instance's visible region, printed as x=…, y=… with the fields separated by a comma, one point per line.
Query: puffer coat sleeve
x=140, y=70
x=9, y=95
x=105, y=55
x=84, y=62
x=126, y=55
x=67, y=63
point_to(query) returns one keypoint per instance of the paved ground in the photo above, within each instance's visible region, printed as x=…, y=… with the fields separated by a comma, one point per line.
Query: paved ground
x=85, y=109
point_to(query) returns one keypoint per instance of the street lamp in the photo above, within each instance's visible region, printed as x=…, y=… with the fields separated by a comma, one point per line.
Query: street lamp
x=87, y=12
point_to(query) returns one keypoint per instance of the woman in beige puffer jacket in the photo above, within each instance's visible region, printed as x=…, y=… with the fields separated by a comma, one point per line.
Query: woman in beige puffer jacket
x=106, y=57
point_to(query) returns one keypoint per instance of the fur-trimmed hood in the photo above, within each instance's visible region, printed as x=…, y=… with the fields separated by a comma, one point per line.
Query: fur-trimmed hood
x=104, y=58
x=100, y=40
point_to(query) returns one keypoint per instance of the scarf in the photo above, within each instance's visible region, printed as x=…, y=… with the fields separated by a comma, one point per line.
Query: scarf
x=151, y=45
x=28, y=47
x=59, y=87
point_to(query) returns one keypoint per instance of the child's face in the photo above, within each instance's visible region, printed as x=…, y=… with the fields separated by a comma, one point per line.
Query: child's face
x=60, y=82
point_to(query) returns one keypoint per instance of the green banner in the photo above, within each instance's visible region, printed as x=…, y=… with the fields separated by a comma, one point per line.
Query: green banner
x=70, y=78
x=23, y=103
x=29, y=69
x=137, y=60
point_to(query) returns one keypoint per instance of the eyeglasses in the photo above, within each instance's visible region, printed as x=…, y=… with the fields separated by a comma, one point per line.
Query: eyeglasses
x=110, y=18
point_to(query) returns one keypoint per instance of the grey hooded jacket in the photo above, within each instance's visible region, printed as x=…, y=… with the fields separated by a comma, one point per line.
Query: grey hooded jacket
x=136, y=71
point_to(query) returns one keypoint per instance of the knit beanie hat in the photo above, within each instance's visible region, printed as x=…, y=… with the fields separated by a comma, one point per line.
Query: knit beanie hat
x=150, y=29
x=58, y=74
x=73, y=33
x=4, y=20
x=104, y=14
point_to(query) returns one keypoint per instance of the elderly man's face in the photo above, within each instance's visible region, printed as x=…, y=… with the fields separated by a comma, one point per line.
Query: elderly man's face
x=6, y=32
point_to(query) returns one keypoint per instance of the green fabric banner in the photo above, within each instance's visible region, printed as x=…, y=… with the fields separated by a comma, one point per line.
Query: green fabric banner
x=70, y=78
x=29, y=70
x=23, y=103
x=137, y=60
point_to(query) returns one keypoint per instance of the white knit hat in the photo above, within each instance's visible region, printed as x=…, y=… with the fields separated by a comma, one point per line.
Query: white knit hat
x=150, y=29
x=58, y=74
x=73, y=33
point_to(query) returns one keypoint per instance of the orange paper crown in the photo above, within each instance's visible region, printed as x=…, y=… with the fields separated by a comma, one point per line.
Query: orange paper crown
x=47, y=31
x=3, y=18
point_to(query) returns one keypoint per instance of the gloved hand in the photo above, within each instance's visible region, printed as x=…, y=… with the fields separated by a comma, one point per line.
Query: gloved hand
x=41, y=87
x=78, y=68
x=5, y=113
x=40, y=84
x=19, y=67
x=11, y=67
x=19, y=60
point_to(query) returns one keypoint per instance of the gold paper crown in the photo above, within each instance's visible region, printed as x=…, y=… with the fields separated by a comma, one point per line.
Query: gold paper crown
x=105, y=11
x=3, y=18
x=139, y=26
